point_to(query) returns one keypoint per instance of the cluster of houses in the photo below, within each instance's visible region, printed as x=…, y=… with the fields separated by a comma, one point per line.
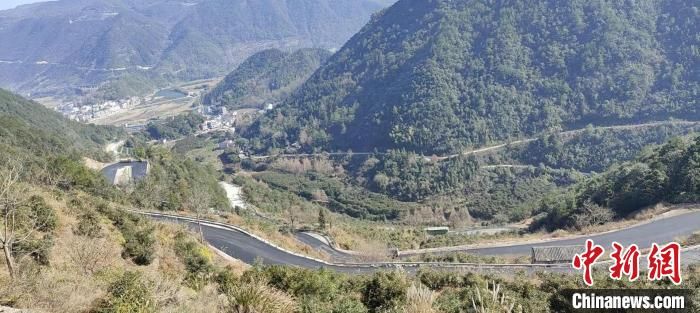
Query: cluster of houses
x=85, y=113
x=219, y=118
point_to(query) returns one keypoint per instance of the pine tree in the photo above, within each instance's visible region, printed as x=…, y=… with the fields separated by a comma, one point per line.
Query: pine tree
x=321, y=219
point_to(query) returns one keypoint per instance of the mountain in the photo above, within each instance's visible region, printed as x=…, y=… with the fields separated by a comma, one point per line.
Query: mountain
x=268, y=76
x=440, y=76
x=54, y=45
x=27, y=126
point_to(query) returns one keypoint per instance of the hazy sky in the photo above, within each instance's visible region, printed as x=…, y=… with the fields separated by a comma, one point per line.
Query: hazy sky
x=9, y=4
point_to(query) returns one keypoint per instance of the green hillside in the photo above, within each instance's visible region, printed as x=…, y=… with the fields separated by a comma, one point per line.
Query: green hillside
x=669, y=173
x=440, y=76
x=43, y=140
x=29, y=126
x=268, y=76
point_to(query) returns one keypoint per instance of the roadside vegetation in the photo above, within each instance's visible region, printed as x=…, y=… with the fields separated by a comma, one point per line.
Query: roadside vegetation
x=596, y=150
x=366, y=194
x=174, y=127
x=178, y=183
x=668, y=173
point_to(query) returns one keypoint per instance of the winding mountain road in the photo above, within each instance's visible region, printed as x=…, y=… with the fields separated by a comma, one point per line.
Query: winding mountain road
x=251, y=249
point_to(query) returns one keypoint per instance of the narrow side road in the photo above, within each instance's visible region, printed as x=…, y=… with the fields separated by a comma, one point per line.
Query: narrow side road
x=572, y=132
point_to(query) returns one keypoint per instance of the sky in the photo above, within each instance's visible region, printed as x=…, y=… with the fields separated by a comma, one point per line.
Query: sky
x=9, y=4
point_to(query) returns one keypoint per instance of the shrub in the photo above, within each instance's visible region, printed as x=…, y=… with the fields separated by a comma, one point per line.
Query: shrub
x=129, y=293
x=138, y=233
x=44, y=215
x=197, y=261
x=38, y=249
x=438, y=280
x=88, y=225
x=384, y=291
x=226, y=279
x=321, y=284
x=89, y=255
x=349, y=306
x=139, y=243
x=38, y=221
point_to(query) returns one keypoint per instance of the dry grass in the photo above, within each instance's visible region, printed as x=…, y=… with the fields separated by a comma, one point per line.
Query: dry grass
x=81, y=270
x=419, y=299
x=93, y=164
x=258, y=297
x=493, y=300
x=302, y=165
x=141, y=114
x=689, y=241
x=53, y=290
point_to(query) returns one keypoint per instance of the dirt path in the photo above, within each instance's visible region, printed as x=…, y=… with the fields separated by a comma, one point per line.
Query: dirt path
x=572, y=133
x=234, y=195
x=494, y=147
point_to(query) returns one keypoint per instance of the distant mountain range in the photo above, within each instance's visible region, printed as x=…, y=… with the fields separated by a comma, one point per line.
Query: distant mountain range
x=51, y=46
x=440, y=76
x=269, y=76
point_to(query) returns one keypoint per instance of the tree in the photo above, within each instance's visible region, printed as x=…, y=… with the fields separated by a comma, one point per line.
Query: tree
x=321, y=219
x=11, y=199
x=293, y=215
x=23, y=216
x=198, y=200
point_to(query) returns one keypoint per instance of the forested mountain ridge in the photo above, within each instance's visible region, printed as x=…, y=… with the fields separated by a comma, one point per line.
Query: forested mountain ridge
x=439, y=76
x=268, y=76
x=59, y=44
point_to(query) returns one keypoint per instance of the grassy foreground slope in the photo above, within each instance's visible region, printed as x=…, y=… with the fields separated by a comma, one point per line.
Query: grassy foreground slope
x=68, y=243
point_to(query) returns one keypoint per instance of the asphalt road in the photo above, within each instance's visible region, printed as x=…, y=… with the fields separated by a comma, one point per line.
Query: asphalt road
x=250, y=249
x=658, y=231
x=315, y=243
